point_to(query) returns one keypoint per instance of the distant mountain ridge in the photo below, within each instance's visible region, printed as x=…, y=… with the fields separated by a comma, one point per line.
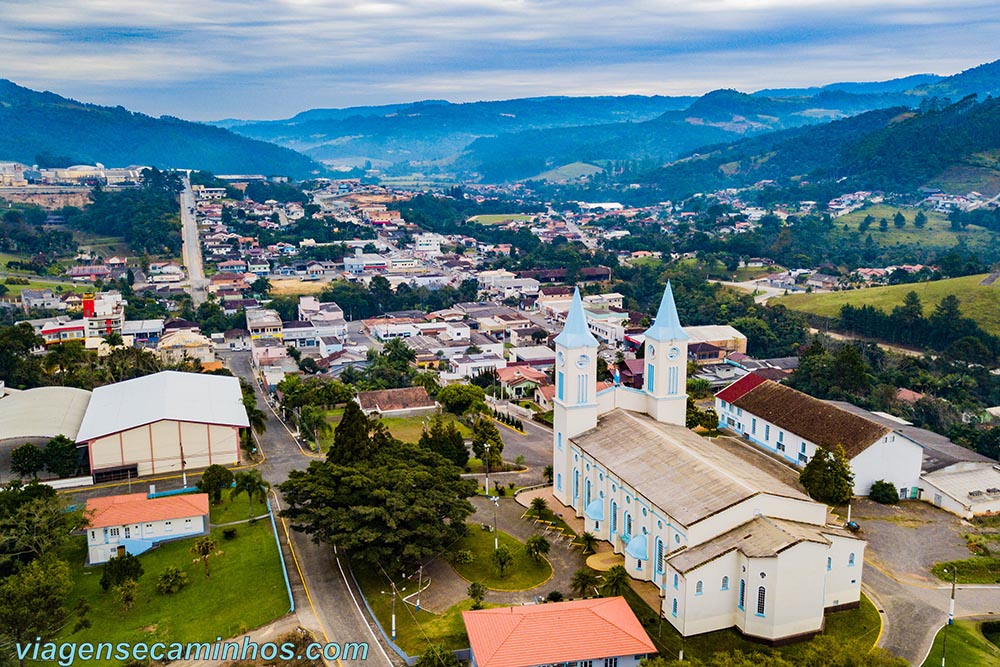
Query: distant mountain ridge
x=32, y=123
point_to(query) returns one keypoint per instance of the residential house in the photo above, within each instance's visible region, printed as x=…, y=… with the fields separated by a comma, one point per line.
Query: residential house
x=134, y=523
x=468, y=365
x=185, y=345
x=404, y=402
x=264, y=323
x=301, y=335
x=521, y=381
x=41, y=298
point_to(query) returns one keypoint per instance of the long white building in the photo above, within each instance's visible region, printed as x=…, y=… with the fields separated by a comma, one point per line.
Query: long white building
x=724, y=532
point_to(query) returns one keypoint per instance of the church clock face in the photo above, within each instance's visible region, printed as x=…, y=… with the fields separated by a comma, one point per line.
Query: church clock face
x=582, y=360
x=673, y=352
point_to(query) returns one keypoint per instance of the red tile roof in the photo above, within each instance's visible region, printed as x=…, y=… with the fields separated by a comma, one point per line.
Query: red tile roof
x=555, y=632
x=741, y=387
x=134, y=508
x=385, y=400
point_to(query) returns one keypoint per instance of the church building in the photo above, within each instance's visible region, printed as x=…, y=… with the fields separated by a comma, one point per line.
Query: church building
x=725, y=532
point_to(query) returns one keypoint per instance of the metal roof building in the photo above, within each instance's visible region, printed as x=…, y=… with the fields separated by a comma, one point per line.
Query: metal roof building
x=42, y=413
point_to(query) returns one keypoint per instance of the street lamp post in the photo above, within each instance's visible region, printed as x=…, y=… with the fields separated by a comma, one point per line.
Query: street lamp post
x=496, y=536
x=395, y=592
x=951, y=614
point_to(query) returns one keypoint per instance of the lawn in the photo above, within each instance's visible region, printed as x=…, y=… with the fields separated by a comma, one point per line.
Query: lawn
x=414, y=629
x=966, y=646
x=936, y=234
x=522, y=574
x=978, y=302
x=42, y=283
x=975, y=570
x=234, y=510
x=246, y=590
x=296, y=287
x=858, y=625
x=407, y=429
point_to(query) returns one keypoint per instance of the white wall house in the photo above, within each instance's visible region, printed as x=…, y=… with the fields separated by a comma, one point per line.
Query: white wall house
x=793, y=425
x=729, y=540
x=135, y=523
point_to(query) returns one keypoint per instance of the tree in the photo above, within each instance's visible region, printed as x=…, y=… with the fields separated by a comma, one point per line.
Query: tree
x=214, y=480
x=884, y=492
x=444, y=438
x=27, y=460
x=261, y=286
x=850, y=372
x=920, y=220
x=436, y=656
x=171, y=580
x=118, y=569
x=502, y=559
x=883, y=225
x=539, y=505
x=352, y=437
x=61, y=456
x=461, y=398
x=251, y=483
x=536, y=547
x=615, y=582
x=31, y=600
x=313, y=424
x=589, y=542
x=584, y=582
x=125, y=593
x=477, y=592
x=114, y=339
x=898, y=220
x=34, y=523
x=486, y=436
x=548, y=474
x=204, y=548
x=828, y=477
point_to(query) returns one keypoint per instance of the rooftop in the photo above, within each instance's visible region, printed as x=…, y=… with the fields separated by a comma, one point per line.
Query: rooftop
x=555, y=633
x=688, y=476
x=407, y=398
x=43, y=412
x=132, y=508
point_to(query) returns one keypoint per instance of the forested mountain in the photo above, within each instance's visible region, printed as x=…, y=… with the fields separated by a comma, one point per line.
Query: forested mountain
x=895, y=149
x=34, y=123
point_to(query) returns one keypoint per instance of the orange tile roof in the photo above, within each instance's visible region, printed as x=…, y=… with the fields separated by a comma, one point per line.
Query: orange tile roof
x=555, y=632
x=517, y=374
x=134, y=508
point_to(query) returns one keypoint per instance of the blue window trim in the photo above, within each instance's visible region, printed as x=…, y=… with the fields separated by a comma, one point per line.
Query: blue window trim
x=673, y=608
x=743, y=594
x=699, y=588
x=725, y=584
x=675, y=582
x=850, y=560
x=829, y=563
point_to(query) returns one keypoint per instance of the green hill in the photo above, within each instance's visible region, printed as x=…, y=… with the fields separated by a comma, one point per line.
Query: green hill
x=978, y=302
x=36, y=123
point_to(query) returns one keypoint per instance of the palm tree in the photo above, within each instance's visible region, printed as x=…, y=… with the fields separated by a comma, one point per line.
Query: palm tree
x=255, y=416
x=584, y=582
x=204, y=548
x=536, y=547
x=589, y=542
x=313, y=423
x=615, y=582
x=251, y=483
x=538, y=506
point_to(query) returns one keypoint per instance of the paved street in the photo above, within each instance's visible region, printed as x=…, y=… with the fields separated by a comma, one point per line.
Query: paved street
x=191, y=249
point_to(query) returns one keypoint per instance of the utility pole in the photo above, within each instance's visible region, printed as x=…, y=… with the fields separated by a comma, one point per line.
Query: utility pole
x=951, y=614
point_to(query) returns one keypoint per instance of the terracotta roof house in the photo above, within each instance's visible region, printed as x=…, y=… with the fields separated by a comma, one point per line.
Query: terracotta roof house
x=407, y=401
x=520, y=381
x=575, y=632
x=133, y=523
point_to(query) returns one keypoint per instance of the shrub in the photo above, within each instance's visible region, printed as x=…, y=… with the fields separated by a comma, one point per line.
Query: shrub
x=554, y=596
x=463, y=557
x=118, y=570
x=229, y=534
x=884, y=492
x=171, y=580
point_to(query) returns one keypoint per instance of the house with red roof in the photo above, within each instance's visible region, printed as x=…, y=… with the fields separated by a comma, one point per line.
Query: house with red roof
x=133, y=523
x=601, y=631
x=520, y=381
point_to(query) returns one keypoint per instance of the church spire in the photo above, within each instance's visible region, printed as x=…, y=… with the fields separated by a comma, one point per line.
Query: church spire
x=575, y=332
x=667, y=325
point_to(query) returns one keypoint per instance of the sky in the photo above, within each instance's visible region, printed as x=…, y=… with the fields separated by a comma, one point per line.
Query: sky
x=213, y=59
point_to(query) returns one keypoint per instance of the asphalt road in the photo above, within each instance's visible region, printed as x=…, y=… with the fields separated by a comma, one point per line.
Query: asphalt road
x=325, y=602
x=191, y=249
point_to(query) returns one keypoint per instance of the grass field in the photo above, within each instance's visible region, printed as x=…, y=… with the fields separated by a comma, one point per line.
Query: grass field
x=568, y=172
x=105, y=246
x=407, y=429
x=414, y=629
x=42, y=283
x=978, y=302
x=234, y=510
x=246, y=590
x=296, y=287
x=522, y=574
x=500, y=218
x=966, y=646
x=936, y=234
x=974, y=570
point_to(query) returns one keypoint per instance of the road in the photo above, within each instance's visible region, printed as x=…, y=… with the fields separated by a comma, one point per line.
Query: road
x=197, y=284
x=325, y=596
x=761, y=292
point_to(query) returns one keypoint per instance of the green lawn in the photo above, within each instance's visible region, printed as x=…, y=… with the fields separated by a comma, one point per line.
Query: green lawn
x=246, y=590
x=975, y=570
x=407, y=429
x=414, y=629
x=500, y=218
x=936, y=234
x=42, y=283
x=234, y=510
x=966, y=646
x=860, y=625
x=522, y=574
x=978, y=302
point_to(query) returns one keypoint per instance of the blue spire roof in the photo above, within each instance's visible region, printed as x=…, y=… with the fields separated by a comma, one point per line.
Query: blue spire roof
x=575, y=333
x=667, y=325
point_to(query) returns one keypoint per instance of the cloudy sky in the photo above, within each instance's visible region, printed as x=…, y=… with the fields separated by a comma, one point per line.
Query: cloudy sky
x=210, y=59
